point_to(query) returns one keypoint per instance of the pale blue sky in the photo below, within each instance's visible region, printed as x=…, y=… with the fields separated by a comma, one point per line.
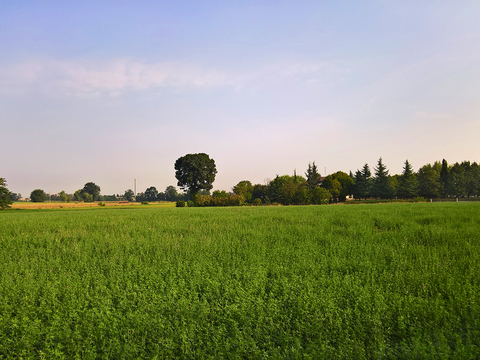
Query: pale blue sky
x=108, y=91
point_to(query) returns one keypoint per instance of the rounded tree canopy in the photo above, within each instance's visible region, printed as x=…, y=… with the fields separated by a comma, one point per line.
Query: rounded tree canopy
x=195, y=172
x=92, y=189
x=38, y=195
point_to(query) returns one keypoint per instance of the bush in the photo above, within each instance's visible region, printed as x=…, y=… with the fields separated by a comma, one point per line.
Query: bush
x=257, y=202
x=144, y=202
x=190, y=203
x=101, y=204
x=180, y=203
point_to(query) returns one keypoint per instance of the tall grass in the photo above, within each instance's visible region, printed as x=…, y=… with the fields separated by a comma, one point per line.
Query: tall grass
x=365, y=281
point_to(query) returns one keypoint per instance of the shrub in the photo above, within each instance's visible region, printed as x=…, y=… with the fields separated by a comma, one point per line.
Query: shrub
x=101, y=204
x=144, y=202
x=190, y=203
x=180, y=203
x=203, y=200
x=257, y=202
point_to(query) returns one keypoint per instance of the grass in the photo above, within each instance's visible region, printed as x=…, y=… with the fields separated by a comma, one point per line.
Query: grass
x=343, y=282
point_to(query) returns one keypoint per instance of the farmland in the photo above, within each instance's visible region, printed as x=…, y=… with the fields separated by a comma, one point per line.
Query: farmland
x=364, y=281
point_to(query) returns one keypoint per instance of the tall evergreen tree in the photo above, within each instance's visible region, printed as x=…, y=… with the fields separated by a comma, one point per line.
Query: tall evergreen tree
x=382, y=184
x=313, y=177
x=407, y=184
x=444, y=178
x=363, y=183
x=356, y=189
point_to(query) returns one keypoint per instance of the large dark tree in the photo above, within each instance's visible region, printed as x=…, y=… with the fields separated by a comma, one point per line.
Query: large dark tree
x=91, y=189
x=407, y=183
x=151, y=193
x=429, y=185
x=363, y=183
x=383, y=188
x=38, y=195
x=129, y=195
x=4, y=195
x=195, y=172
x=444, y=177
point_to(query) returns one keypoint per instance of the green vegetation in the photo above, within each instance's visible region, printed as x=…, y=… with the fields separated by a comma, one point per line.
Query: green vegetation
x=344, y=282
x=195, y=172
x=38, y=195
x=5, y=194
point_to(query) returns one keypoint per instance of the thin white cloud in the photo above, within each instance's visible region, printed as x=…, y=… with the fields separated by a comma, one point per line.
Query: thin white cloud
x=82, y=77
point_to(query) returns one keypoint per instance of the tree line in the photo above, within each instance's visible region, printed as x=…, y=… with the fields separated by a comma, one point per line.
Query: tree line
x=437, y=180
x=196, y=172
x=432, y=181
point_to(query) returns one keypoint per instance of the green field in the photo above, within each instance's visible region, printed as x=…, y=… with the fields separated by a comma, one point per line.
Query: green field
x=359, y=282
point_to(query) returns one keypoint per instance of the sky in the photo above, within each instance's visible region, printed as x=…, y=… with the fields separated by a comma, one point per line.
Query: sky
x=108, y=91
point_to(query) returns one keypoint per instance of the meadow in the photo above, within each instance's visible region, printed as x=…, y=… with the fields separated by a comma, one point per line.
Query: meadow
x=299, y=282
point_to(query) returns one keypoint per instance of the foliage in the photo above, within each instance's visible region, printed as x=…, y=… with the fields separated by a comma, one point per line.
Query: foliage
x=244, y=188
x=219, y=198
x=87, y=197
x=4, y=195
x=129, y=195
x=77, y=196
x=363, y=187
x=320, y=196
x=283, y=188
x=151, y=193
x=38, y=195
x=464, y=179
x=429, y=185
x=171, y=193
x=90, y=192
x=64, y=196
x=313, y=176
x=180, y=203
x=195, y=172
x=14, y=196
x=382, y=184
x=190, y=203
x=407, y=183
x=338, y=282
x=260, y=192
x=444, y=178
x=339, y=184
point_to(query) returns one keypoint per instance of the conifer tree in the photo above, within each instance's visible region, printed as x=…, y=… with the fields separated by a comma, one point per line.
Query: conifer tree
x=407, y=184
x=383, y=188
x=444, y=178
x=313, y=177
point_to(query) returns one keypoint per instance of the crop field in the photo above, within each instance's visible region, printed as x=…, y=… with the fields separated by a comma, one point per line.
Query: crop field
x=300, y=282
x=21, y=205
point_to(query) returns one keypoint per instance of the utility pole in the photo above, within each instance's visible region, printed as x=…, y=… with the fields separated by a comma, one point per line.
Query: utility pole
x=135, y=189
